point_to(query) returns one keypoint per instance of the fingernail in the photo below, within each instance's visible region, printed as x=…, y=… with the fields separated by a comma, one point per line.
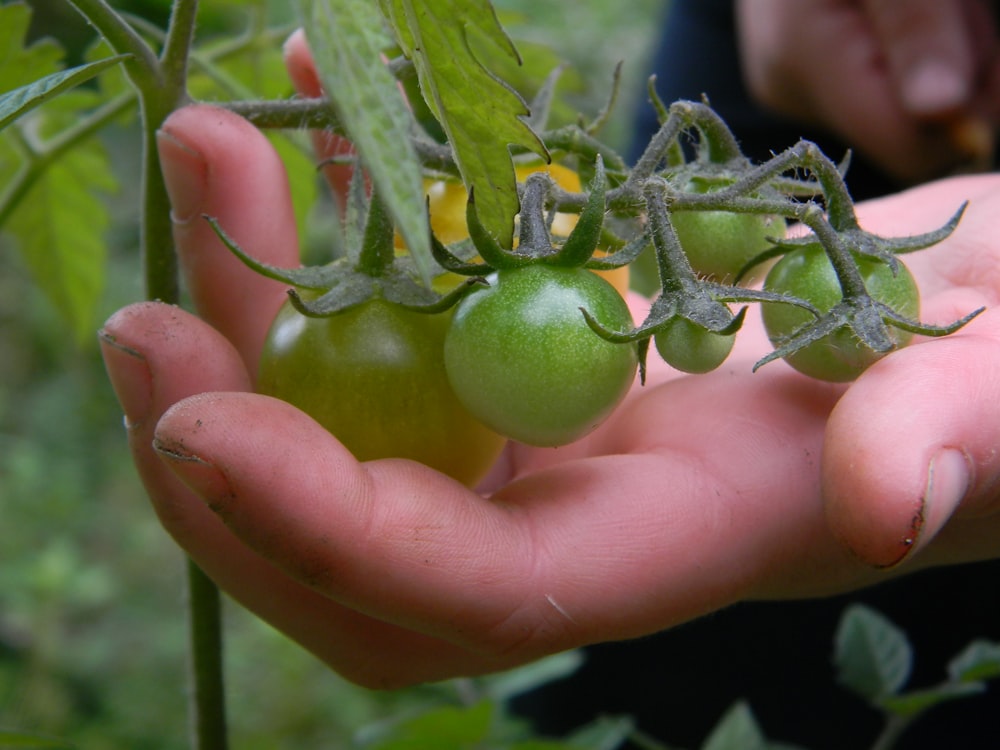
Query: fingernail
x=947, y=483
x=933, y=87
x=185, y=174
x=202, y=476
x=130, y=376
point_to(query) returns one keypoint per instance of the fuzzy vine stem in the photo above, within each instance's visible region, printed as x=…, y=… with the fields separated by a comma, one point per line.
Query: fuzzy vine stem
x=160, y=82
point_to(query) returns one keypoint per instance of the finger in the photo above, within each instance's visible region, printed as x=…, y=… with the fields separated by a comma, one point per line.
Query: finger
x=611, y=546
x=157, y=355
x=216, y=163
x=328, y=145
x=928, y=49
x=911, y=447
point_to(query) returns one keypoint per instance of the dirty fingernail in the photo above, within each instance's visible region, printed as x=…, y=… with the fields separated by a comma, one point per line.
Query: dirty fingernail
x=202, y=476
x=130, y=376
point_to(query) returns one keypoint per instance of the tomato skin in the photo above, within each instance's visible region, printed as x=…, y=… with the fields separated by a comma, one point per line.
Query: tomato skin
x=374, y=377
x=522, y=358
x=688, y=347
x=719, y=244
x=807, y=273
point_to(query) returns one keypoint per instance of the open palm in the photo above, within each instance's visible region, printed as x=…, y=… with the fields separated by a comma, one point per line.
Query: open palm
x=699, y=492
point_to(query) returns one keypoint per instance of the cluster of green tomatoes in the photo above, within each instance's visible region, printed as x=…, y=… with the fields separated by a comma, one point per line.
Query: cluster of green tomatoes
x=536, y=343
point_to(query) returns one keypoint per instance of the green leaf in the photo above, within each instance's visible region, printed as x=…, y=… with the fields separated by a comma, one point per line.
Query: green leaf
x=20, y=101
x=446, y=728
x=59, y=229
x=980, y=660
x=20, y=66
x=303, y=180
x=873, y=657
x=505, y=685
x=736, y=730
x=481, y=116
x=347, y=38
x=603, y=733
x=24, y=739
x=918, y=701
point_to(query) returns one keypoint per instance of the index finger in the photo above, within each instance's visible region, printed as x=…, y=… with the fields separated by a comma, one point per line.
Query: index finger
x=216, y=163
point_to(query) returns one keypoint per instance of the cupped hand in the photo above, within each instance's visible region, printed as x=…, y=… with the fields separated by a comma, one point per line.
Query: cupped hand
x=913, y=85
x=699, y=492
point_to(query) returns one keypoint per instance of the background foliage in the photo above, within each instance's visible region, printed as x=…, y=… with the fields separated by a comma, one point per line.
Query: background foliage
x=92, y=642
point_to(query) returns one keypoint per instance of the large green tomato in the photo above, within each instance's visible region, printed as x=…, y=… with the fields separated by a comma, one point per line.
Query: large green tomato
x=522, y=358
x=374, y=376
x=807, y=273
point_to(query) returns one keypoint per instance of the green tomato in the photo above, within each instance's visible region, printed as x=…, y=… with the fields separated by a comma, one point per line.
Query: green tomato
x=522, y=358
x=807, y=273
x=720, y=243
x=374, y=376
x=689, y=347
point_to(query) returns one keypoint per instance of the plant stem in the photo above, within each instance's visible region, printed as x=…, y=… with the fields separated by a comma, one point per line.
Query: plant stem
x=208, y=700
x=121, y=37
x=161, y=84
x=893, y=729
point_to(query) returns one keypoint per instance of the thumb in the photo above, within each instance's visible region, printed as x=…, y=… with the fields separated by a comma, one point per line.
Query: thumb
x=911, y=446
x=928, y=49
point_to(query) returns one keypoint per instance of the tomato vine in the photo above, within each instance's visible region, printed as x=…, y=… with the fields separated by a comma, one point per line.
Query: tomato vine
x=692, y=167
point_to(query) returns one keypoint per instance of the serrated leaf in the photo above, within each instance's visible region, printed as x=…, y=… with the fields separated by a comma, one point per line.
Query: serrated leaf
x=918, y=701
x=59, y=229
x=347, y=38
x=20, y=65
x=873, y=657
x=481, y=115
x=736, y=730
x=980, y=660
x=20, y=101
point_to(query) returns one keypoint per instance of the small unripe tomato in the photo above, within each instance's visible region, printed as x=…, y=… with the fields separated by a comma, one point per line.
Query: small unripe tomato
x=808, y=274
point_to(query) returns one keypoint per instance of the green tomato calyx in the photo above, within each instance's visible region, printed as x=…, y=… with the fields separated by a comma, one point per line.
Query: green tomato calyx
x=370, y=270
x=535, y=241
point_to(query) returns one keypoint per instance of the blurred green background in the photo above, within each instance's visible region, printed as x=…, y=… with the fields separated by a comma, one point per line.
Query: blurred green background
x=92, y=639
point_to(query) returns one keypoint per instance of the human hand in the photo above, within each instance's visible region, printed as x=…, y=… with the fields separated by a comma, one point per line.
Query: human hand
x=915, y=86
x=698, y=493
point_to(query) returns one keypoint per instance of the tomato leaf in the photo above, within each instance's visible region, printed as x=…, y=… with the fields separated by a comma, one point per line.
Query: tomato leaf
x=444, y=728
x=26, y=739
x=918, y=701
x=980, y=660
x=20, y=101
x=736, y=730
x=20, y=65
x=347, y=38
x=59, y=229
x=480, y=114
x=872, y=655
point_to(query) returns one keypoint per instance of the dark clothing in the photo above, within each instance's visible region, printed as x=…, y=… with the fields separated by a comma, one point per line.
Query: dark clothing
x=776, y=656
